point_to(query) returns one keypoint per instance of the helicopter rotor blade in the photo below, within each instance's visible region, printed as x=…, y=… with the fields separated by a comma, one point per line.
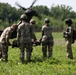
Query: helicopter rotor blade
x=32, y=3
x=20, y=6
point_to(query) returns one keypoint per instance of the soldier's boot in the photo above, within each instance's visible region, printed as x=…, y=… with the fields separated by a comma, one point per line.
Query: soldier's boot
x=50, y=53
x=22, y=58
x=44, y=54
x=44, y=50
x=28, y=56
x=70, y=56
x=5, y=58
x=69, y=53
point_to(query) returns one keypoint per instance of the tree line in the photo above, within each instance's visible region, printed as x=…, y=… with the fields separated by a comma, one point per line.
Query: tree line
x=56, y=14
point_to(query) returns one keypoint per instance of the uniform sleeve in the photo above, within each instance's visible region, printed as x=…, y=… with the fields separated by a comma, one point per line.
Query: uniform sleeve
x=8, y=34
x=42, y=33
x=32, y=33
x=18, y=33
x=42, y=30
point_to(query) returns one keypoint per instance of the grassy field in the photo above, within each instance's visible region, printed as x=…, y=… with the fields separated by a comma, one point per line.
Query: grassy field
x=59, y=64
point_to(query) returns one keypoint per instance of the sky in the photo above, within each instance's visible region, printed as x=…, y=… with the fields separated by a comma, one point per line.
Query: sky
x=48, y=3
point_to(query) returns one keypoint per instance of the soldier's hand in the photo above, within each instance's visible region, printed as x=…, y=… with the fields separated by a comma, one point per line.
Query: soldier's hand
x=15, y=44
x=37, y=43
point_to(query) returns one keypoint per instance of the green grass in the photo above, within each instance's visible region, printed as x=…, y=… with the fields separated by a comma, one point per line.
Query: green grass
x=59, y=64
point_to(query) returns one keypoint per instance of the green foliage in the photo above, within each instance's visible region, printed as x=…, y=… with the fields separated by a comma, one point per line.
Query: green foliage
x=59, y=64
x=56, y=14
x=7, y=12
x=62, y=12
x=42, y=9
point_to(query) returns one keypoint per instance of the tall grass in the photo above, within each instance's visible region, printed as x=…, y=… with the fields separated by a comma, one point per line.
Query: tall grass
x=59, y=64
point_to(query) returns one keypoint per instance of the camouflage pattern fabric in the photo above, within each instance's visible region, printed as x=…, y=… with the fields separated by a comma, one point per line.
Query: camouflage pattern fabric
x=4, y=43
x=47, y=40
x=24, y=36
x=47, y=37
x=69, y=34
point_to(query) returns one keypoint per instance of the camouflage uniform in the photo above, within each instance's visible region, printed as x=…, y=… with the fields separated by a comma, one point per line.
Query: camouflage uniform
x=32, y=23
x=68, y=34
x=24, y=36
x=4, y=43
x=47, y=40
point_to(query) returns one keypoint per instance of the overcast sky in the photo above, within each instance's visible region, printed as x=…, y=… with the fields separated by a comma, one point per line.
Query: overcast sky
x=48, y=3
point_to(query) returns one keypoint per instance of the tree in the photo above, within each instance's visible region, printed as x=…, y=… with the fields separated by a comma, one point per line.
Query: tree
x=62, y=12
x=42, y=9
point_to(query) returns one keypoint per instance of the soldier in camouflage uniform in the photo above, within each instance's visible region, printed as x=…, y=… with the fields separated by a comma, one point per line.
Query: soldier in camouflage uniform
x=32, y=23
x=68, y=35
x=4, y=42
x=47, y=38
x=24, y=36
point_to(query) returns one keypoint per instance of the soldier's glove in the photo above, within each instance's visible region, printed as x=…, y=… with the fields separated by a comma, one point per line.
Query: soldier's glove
x=15, y=44
x=37, y=43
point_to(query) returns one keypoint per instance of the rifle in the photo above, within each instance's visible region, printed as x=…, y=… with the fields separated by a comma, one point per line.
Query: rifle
x=65, y=35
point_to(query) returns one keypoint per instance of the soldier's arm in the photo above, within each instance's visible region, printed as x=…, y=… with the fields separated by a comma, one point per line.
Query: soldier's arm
x=18, y=33
x=33, y=33
x=8, y=37
x=42, y=33
x=42, y=30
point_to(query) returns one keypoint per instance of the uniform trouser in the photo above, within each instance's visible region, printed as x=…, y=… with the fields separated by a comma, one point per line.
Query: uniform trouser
x=0, y=54
x=4, y=52
x=28, y=47
x=44, y=50
x=69, y=50
x=0, y=50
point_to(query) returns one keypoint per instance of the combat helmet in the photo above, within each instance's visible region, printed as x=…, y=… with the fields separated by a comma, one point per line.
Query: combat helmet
x=23, y=16
x=68, y=21
x=32, y=21
x=47, y=20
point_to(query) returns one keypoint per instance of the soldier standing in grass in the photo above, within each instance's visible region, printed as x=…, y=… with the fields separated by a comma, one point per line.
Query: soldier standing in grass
x=68, y=35
x=4, y=42
x=47, y=39
x=32, y=23
x=24, y=36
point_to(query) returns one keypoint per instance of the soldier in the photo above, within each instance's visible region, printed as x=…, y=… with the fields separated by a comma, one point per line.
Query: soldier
x=24, y=36
x=68, y=35
x=32, y=23
x=4, y=42
x=30, y=13
x=47, y=38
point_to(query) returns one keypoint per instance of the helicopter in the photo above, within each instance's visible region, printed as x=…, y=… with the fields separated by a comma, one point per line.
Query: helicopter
x=29, y=12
